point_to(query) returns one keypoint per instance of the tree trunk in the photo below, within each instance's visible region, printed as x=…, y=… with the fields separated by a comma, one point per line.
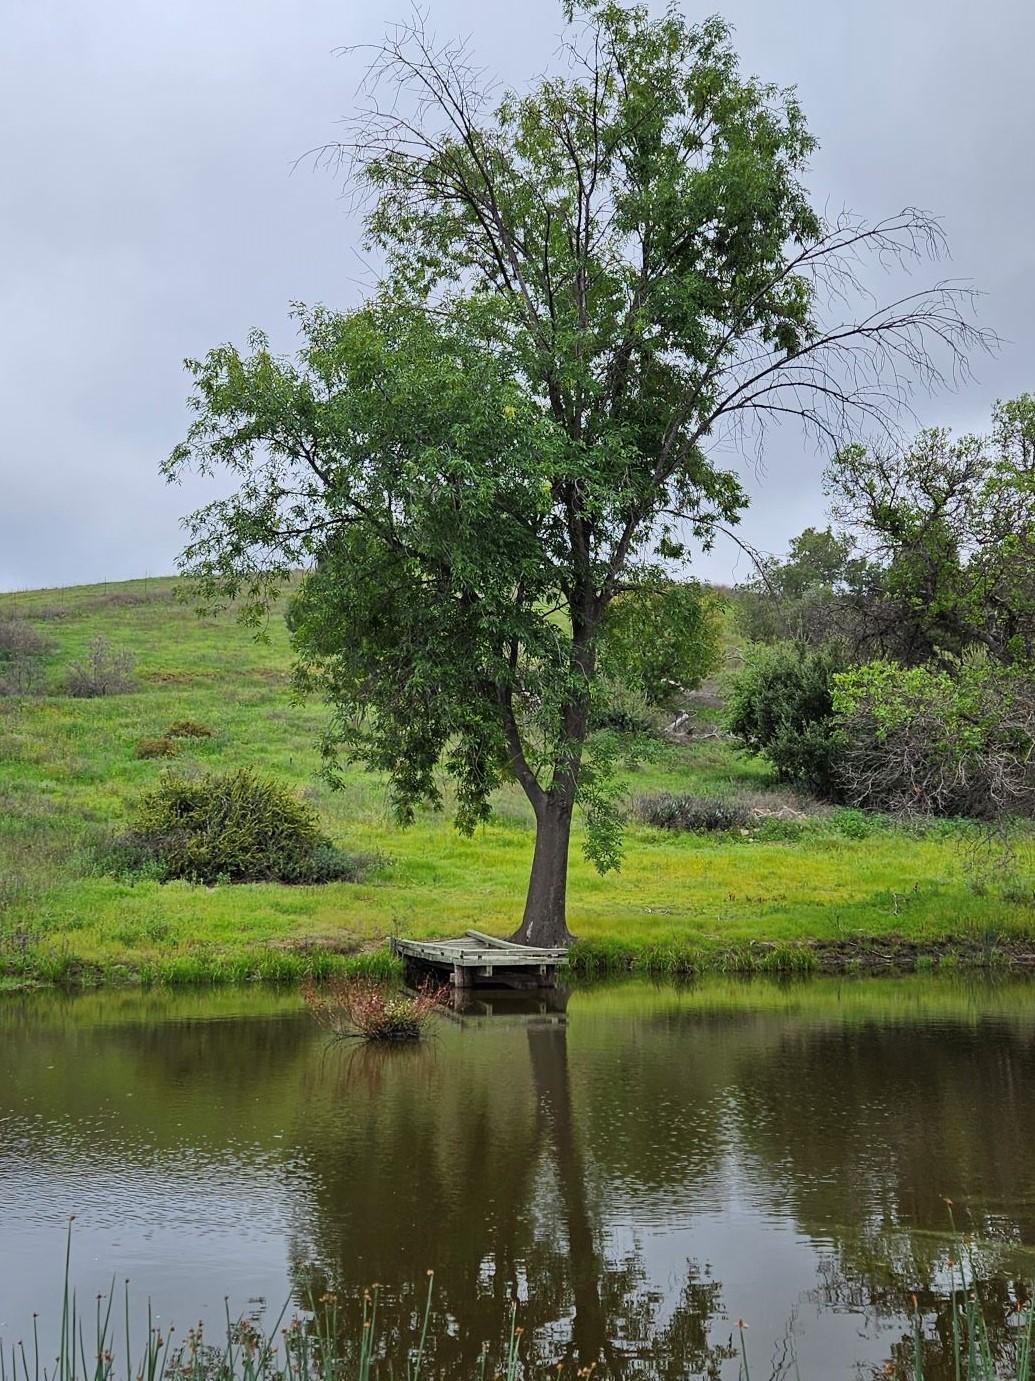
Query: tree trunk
x=545, y=918
x=590, y=1330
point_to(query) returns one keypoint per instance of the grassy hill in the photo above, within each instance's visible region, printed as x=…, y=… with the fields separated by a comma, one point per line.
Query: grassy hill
x=787, y=892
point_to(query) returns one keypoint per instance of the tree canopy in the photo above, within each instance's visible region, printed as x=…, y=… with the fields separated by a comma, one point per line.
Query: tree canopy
x=592, y=288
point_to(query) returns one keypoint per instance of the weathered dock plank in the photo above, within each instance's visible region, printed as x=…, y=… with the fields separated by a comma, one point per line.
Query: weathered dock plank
x=476, y=958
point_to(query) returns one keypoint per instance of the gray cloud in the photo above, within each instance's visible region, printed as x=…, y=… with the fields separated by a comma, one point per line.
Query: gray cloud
x=148, y=209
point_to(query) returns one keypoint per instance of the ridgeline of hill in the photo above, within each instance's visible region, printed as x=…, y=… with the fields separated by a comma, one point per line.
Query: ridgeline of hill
x=791, y=890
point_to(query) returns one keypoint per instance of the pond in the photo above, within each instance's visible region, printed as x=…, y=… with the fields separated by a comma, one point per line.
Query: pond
x=638, y=1166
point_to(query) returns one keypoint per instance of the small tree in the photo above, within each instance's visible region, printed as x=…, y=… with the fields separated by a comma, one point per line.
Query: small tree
x=591, y=286
x=780, y=703
x=102, y=670
x=23, y=654
x=661, y=640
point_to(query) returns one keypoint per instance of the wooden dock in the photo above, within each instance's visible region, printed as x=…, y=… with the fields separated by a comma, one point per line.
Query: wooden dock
x=476, y=959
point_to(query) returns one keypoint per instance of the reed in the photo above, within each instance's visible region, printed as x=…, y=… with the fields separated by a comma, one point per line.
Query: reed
x=107, y=1344
x=364, y=1009
x=307, y=1347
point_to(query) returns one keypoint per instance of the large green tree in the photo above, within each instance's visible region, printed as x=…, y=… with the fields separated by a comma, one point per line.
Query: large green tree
x=592, y=291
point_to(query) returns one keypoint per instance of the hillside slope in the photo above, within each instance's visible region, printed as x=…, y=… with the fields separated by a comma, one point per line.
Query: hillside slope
x=68, y=776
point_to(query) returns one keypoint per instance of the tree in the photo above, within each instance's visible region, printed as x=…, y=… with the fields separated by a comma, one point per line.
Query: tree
x=809, y=594
x=661, y=641
x=949, y=526
x=591, y=287
x=934, y=552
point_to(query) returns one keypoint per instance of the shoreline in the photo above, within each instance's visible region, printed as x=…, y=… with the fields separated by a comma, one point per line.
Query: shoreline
x=589, y=959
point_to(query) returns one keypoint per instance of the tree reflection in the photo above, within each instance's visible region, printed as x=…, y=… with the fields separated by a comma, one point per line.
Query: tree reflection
x=894, y=1277
x=523, y=1229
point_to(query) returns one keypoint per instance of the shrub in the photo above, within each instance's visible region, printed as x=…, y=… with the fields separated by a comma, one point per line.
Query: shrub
x=947, y=739
x=360, y=1008
x=188, y=728
x=857, y=824
x=780, y=704
x=22, y=655
x=104, y=670
x=778, y=829
x=661, y=640
x=329, y=863
x=18, y=638
x=621, y=708
x=695, y=814
x=156, y=748
x=236, y=827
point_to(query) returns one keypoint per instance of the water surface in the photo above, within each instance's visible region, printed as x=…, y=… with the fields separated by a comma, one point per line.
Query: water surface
x=638, y=1167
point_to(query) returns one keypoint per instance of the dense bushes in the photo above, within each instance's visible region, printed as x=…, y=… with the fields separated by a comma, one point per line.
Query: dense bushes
x=938, y=739
x=236, y=827
x=780, y=704
x=948, y=738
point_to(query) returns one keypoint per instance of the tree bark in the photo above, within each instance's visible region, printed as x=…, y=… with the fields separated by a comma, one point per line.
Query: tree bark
x=545, y=919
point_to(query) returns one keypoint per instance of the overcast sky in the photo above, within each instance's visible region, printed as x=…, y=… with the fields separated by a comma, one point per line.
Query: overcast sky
x=148, y=210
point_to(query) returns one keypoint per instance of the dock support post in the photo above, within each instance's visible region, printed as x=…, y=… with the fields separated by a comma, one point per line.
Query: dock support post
x=462, y=978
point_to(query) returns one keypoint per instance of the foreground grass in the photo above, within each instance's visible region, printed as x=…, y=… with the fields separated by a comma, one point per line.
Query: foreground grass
x=830, y=890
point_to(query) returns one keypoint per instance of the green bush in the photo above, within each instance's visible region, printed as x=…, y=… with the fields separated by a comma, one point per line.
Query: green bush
x=236, y=827
x=780, y=704
x=621, y=708
x=695, y=814
x=775, y=829
x=188, y=728
x=956, y=738
x=156, y=748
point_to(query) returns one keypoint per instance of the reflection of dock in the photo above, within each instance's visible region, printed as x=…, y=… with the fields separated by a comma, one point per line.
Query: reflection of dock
x=475, y=959
x=525, y=1007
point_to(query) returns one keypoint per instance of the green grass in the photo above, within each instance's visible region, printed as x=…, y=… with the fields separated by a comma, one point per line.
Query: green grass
x=788, y=895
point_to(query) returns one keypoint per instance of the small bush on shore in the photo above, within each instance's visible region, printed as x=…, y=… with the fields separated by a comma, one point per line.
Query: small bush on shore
x=362, y=1009
x=694, y=814
x=233, y=827
x=104, y=670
